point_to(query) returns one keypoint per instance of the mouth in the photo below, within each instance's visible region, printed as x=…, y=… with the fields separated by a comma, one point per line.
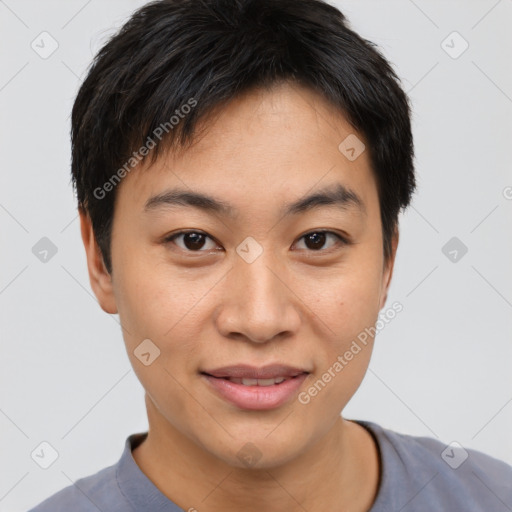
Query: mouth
x=255, y=382
x=253, y=388
x=247, y=372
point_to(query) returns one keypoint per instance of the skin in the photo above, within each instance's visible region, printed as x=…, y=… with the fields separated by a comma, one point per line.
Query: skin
x=294, y=304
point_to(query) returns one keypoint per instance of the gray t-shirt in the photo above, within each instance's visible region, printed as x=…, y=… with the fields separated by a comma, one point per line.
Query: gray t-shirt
x=419, y=474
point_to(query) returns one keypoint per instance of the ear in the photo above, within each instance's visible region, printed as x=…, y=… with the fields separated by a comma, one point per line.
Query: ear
x=388, y=269
x=100, y=279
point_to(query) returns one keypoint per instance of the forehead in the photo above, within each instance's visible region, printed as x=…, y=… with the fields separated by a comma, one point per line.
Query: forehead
x=266, y=143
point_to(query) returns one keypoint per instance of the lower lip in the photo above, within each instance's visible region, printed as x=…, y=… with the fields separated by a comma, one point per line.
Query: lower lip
x=256, y=398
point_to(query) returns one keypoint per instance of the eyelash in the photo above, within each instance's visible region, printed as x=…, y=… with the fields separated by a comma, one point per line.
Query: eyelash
x=341, y=240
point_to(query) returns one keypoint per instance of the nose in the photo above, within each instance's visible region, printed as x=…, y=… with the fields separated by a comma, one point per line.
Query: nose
x=259, y=304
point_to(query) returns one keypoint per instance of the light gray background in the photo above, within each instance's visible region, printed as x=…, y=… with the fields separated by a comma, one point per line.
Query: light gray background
x=442, y=368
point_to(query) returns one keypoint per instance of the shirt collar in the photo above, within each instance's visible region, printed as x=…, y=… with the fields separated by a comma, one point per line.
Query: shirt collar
x=143, y=495
x=137, y=488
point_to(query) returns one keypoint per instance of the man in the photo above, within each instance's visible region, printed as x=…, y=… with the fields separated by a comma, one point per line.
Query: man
x=240, y=167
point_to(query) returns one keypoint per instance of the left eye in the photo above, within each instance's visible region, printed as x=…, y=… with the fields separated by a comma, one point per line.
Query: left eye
x=315, y=240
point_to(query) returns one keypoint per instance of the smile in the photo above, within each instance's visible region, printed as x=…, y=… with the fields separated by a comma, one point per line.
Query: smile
x=257, y=382
x=256, y=394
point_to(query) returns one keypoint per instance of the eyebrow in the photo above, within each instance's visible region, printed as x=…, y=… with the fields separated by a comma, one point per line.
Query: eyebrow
x=336, y=195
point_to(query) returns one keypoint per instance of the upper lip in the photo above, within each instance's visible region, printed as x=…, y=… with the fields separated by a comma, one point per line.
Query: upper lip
x=244, y=371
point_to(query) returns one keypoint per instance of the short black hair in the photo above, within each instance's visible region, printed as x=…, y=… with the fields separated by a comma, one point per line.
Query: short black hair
x=203, y=53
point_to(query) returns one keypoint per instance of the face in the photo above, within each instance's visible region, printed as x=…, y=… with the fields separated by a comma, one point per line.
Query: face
x=266, y=272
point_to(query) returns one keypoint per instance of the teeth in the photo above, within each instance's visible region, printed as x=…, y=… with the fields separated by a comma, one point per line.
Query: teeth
x=257, y=382
x=266, y=382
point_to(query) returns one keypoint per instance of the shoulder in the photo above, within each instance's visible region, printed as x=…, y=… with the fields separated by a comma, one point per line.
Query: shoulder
x=89, y=494
x=437, y=474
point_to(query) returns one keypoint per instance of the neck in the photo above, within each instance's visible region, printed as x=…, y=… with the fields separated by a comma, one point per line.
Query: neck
x=339, y=472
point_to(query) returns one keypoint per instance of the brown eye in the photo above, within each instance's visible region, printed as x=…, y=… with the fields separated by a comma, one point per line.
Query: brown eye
x=316, y=240
x=193, y=241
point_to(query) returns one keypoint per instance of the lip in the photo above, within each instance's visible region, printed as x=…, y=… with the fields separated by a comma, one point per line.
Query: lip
x=255, y=397
x=245, y=371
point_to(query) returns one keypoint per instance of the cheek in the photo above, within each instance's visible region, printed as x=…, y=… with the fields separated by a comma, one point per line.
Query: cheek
x=349, y=306
x=349, y=302
x=157, y=302
x=352, y=332
x=350, y=312
x=151, y=296
x=158, y=307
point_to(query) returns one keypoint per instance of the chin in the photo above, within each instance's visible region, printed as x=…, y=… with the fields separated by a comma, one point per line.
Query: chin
x=259, y=451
